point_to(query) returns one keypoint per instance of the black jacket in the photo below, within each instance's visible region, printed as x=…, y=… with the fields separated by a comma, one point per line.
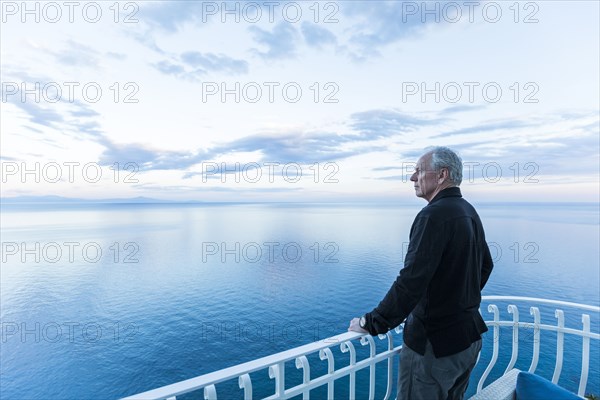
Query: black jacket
x=438, y=291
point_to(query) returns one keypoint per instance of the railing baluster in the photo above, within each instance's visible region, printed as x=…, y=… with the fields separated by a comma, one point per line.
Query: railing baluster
x=302, y=363
x=493, y=309
x=364, y=340
x=326, y=354
x=399, y=329
x=244, y=382
x=585, y=354
x=512, y=309
x=390, y=375
x=346, y=347
x=560, y=340
x=536, y=338
x=210, y=392
x=277, y=372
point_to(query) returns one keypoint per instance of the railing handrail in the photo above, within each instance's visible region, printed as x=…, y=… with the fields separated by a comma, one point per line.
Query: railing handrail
x=542, y=301
x=245, y=368
x=277, y=360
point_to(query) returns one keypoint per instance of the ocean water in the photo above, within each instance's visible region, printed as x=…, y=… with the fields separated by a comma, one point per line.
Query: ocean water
x=104, y=301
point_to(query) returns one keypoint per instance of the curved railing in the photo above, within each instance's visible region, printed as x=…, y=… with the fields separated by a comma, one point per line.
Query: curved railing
x=277, y=370
x=537, y=326
x=276, y=363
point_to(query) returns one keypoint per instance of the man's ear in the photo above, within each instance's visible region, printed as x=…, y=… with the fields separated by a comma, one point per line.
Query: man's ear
x=443, y=175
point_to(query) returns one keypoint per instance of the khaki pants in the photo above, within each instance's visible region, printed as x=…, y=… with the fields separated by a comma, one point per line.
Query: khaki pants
x=424, y=377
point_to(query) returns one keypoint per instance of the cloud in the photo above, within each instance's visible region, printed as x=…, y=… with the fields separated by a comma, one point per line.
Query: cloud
x=215, y=62
x=78, y=55
x=282, y=147
x=83, y=110
x=116, y=56
x=64, y=115
x=159, y=17
x=280, y=43
x=238, y=191
x=147, y=158
x=461, y=108
x=375, y=124
x=575, y=115
x=192, y=64
x=45, y=116
x=549, y=151
x=169, y=68
x=329, y=146
x=317, y=36
x=302, y=148
x=146, y=38
x=386, y=168
x=170, y=15
x=369, y=25
x=593, y=127
x=292, y=147
x=489, y=127
x=392, y=178
x=377, y=24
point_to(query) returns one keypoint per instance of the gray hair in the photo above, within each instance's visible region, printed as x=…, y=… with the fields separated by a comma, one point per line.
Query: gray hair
x=443, y=157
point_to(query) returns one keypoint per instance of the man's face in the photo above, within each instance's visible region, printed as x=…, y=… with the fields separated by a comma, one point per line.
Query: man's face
x=425, y=178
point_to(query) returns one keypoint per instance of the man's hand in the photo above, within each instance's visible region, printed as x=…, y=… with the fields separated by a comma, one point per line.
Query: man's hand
x=355, y=326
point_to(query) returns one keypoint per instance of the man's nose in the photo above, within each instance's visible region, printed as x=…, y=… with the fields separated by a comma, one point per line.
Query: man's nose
x=413, y=177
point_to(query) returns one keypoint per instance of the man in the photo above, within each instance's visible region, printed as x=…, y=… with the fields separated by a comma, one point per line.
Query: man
x=438, y=291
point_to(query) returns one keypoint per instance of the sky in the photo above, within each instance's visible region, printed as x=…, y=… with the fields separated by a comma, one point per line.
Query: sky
x=313, y=101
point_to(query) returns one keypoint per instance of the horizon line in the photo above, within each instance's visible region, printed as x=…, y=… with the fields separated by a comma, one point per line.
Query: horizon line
x=57, y=200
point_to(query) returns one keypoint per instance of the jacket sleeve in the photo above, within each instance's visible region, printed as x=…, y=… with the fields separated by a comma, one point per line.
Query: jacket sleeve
x=427, y=244
x=487, y=266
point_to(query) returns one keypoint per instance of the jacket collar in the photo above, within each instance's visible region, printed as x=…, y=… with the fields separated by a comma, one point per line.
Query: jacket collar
x=453, y=191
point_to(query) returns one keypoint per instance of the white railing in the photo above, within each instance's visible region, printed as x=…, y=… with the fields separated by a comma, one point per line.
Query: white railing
x=276, y=363
x=277, y=368
x=537, y=327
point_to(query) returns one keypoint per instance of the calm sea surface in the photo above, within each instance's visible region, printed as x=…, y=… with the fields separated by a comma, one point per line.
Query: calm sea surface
x=103, y=301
